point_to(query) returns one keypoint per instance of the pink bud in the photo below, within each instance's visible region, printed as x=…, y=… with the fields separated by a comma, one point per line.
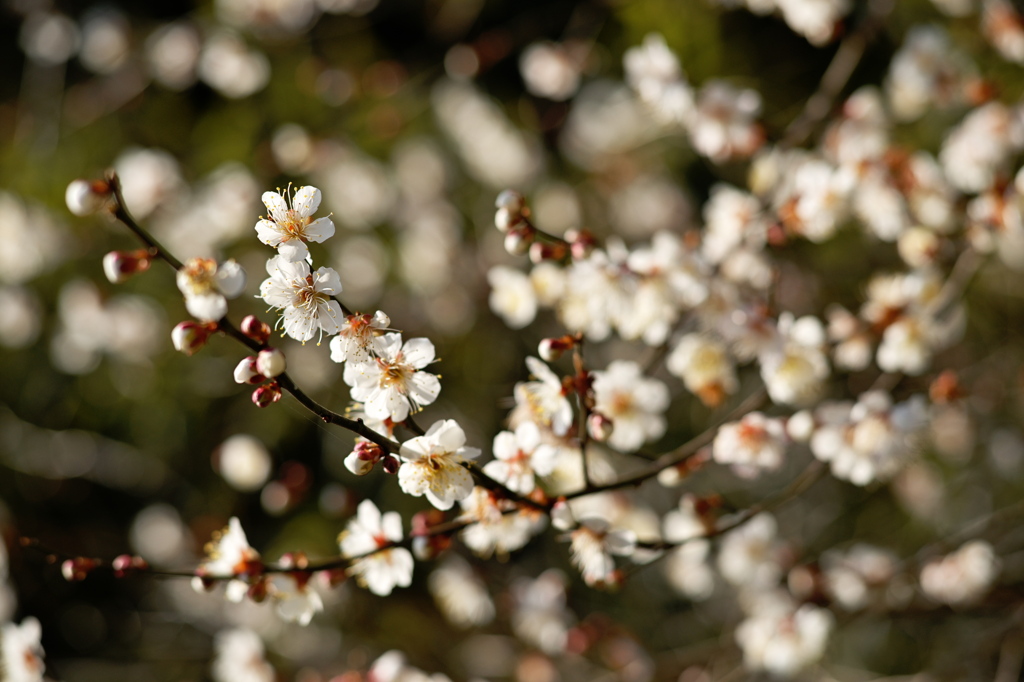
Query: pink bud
x=391, y=464
x=599, y=427
x=247, y=373
x=255, y=329
x=270, y=362
x=541, y=251
x=126, y=563
x=118, y=266
x=189, y=337
x=266, y=394
x=84, y=197
x=77, y=568
x=552, y=349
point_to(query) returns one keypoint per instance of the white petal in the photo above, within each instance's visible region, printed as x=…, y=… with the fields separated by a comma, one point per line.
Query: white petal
x=418, y=352
x=306, y=201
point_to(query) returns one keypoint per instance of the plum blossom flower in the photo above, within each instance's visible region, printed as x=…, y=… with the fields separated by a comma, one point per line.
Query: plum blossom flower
x=593, y=545
x=963, y=576
x=782, y=638
x=496, y=530
x=635, y=404
x=870, y=440
x=794, y=367
x=519, y=456
x=207, y=286
x=297, y=601
x=229, y=554
x=21, y=654
x=460, y=595
x=512, y=296
x=705, y=366
x=753, y=444
x=653, y=71
x=303, y=297
x=240, y=657
x=544, y=398
x=290, y=224
x=359, y=337
x=392, y=385
x=432, y=465
x=384, y=570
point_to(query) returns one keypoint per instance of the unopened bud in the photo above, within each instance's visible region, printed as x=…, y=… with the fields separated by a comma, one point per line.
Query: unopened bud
x=126, y=563
x=77, y=568
x=581, y=243
x=255, y=328
x=517, y=241
x=246, y=372
x=267, y=394
x=390, y=464
x=599, y=427
x=84, y=197
x=552, y=349
x=542, y=251
x=511, y=200
x=257, y=591
x=270, y=362
x=189, y=337
x=118, y=266
x=357, y=465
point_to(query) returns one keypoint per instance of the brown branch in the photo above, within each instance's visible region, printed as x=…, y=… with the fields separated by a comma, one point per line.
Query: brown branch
x=680, y=454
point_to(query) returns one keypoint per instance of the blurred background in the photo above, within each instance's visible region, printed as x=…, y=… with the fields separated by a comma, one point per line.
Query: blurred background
x=410, y=116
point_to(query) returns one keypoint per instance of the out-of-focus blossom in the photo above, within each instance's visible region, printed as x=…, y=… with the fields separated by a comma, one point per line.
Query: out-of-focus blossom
x=551, y=70
x=518, y=456
x=229, y=556
x=723, y=125
x=782, y=638
x=750, y=555
x=49, y=37
x=240, y=657
x=231, y=68
x=755, y=443
x=512, y=296
x=270, y=17
x=858, y=576
x=105, y=40
x=963, y=576
x=634, y=403
x=543, y=400
x=1003, y=26
x=816, y=20
x=496, y=529
x=794, y=366
x=244, y=462
x=926, y=72
x=980, y=147
x=593, y=544
x=870, y=440
x=20, y=317
x=172, y=53
x=28, y=253
x=460, y=594
x=150, y=178
x=653, y=71
x=20, y=651
x=540, y=616
x=704, y=365
x=370, y=531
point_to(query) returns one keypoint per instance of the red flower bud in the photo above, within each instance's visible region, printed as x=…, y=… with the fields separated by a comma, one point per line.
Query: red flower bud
x=255, y=329
x=266, y=394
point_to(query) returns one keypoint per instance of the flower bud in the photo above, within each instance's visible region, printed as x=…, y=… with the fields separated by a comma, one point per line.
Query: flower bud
x=84, y=197
x=517, y=241
x=189, y=337
x=599, y=427
x=255, y=329
x=357, y=465
x=266, y=394
x=76, y=569
x=581, y=243
x=511, y=200
x=247, y=373
x=118, y=266
x=542, y=251
x=552, y=349
x=390, y=464
x=126, y=563
x=270, y=362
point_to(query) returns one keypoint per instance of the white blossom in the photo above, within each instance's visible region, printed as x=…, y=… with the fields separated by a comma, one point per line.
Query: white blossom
x=370, y=531
x=393, y=384
x=359, y=338
x=304, y=298
x=519, y=455
x=290, y=223
x=634, y=403
x=432, y=465
x=753, y=444
x=963, y=576
x=20, y=651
